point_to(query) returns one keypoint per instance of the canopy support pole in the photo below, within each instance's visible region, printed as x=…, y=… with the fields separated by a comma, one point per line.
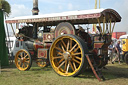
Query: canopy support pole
x=110, y=26
x=113, y=27
x=100, y=26
x=104, y=25
x=13, y=29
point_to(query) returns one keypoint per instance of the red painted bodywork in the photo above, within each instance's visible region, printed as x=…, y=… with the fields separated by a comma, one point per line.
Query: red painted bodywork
x=41, y=45
x=42, y=48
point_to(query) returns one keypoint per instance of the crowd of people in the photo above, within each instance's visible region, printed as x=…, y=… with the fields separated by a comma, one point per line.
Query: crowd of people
x=114, y=49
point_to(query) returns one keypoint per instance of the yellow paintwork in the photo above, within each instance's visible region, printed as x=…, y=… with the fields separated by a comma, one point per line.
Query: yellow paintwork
x=55, y=63
x=125, y=45
x=41, y=63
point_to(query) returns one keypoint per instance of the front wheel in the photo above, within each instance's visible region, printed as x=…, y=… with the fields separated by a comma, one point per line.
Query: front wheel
x=67, y=55
x=23, y=60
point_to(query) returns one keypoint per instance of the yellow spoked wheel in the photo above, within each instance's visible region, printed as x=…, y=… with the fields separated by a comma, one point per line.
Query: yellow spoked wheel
x=67, y=55
x=23, y=60
x=41, y=63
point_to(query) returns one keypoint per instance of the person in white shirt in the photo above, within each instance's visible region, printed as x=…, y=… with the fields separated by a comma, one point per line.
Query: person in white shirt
x=110, y=51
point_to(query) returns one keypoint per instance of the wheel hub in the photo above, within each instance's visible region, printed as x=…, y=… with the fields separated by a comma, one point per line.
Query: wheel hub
x=22, y=60
x=66, y=55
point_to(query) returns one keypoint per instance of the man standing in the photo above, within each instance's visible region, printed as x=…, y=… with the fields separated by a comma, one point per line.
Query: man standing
x=110, y=51
x=118, y=51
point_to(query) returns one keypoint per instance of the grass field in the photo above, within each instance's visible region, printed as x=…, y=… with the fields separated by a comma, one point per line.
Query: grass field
x=115, y=74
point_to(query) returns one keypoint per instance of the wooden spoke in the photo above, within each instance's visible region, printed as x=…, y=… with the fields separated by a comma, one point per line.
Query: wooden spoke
x=67, y=68
x=63, y=43
x=76, y=61
x=61, y=64
x=77, y=53
x=21, y=55
x=61, y=60
x=19, y=63
x=65, y=65
x=67, y=45
x=23, y=65
x=62, y=48
x=42, y=62
x=70, y=43
x=59, y=49
x=73, y=47
x=57, y=57
x=19, y=58
x=74, y=65
x=27, y=61
x=77, y=57
x=71, y=65
x=76, y=49
x=26, y=64
x=25, y=56
x=60, y=53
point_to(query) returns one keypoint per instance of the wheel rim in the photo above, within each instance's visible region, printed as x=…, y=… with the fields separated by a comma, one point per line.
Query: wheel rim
x=126, y=60
x=66, y=56
x=22, y=60
x=41, y=62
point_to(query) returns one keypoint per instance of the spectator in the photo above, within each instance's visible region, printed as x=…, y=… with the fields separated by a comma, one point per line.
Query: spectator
x=110, y=51
x=118, y=51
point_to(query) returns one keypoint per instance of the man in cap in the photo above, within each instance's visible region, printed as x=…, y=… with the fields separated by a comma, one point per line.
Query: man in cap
x=118, y=51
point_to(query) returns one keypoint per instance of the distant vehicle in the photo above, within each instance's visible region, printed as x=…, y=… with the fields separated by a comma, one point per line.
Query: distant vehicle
x=124, y=36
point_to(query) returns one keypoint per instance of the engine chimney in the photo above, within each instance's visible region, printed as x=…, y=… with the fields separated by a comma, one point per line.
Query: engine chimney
x=35, y=9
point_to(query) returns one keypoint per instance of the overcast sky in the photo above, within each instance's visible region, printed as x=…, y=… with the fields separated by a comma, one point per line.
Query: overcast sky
x=24, y=7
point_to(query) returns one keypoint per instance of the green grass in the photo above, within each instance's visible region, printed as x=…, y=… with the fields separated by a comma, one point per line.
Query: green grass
x=115, y=75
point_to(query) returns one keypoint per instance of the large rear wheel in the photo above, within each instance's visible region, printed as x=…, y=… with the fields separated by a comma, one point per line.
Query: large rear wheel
x=23, y=60
x=67, y=55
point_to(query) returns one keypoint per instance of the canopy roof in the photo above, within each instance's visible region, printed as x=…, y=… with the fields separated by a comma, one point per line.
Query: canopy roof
x=84, y=16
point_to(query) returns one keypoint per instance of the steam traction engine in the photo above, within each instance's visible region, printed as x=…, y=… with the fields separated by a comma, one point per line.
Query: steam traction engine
x=68, y=49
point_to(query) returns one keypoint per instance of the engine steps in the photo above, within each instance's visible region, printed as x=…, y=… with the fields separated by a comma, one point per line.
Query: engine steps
x=97, y=72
